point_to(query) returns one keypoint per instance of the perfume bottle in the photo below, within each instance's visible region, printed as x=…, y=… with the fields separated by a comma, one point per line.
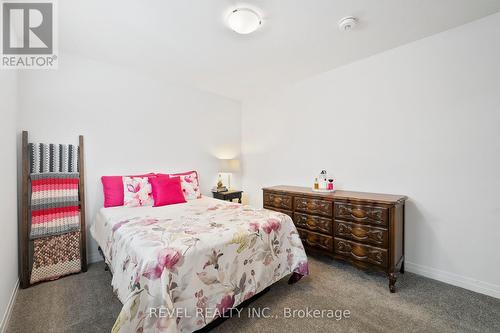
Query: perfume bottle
x=322, y=180
x=329, y=187
x=316, y=184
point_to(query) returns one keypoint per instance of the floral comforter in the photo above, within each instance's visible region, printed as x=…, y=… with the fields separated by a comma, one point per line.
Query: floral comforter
x=177, y=268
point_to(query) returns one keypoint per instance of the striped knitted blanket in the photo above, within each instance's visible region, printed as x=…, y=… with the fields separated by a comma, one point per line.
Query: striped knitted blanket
x=51, y=157
x=54, y=204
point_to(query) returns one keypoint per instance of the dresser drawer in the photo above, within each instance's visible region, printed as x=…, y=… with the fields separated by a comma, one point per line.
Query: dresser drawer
x=315, y=240
x=361, y=213
x=282, y=201
x=280, y=210
x=360, y=252
x=313, y=223
x=313, y=206
x=361, y=233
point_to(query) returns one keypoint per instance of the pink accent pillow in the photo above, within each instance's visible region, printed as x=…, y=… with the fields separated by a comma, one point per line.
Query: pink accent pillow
x=112, y=187
x=189, y=182
x=167, y=191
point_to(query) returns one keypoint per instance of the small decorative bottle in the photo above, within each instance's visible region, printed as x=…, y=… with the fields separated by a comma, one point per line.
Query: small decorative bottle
x=330, y=185
x=316, y=184
x=322, y=180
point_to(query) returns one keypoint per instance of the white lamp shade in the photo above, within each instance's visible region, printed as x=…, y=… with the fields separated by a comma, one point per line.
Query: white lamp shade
x=229, y=165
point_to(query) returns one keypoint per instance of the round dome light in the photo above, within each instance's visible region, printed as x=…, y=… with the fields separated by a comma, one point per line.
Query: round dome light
x=244, y=20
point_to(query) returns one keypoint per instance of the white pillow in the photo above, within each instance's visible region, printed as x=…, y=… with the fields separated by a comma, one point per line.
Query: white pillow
x=137, y=192
x=190, y=184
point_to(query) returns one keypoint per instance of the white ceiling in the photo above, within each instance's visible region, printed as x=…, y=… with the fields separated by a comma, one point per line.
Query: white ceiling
x=187, y=40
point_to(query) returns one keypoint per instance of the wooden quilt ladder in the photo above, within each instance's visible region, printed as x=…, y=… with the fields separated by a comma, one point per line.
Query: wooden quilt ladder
x=26, y=243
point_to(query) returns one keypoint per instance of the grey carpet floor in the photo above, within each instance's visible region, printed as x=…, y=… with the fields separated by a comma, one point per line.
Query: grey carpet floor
x=85, y=303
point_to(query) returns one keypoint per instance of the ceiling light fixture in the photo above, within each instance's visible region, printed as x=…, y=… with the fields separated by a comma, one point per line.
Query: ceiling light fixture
x=244, y=20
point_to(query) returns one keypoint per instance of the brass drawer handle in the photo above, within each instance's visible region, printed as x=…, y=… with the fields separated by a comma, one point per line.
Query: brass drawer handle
x=358, y=257
x=310, y=243
x=277, y=200
x=315, y=244
x=357, y=237
x=342, y=230
x=310, y=222
x=316, y=205
x=358, y=214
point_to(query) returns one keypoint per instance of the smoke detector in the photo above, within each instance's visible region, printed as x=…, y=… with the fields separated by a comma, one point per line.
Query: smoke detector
x=348, y=23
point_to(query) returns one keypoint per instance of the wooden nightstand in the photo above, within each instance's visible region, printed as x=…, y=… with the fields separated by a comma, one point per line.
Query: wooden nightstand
x=228, y=195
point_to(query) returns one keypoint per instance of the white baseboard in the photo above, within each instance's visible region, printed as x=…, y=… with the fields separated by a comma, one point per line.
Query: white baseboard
x=8, y=311
x=478, y=286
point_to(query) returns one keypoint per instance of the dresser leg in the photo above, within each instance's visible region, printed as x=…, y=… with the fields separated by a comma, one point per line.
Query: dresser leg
x=392, y=282
x=402, y=269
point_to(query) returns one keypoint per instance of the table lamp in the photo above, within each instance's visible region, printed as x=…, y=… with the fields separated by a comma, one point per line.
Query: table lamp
x=229, y=166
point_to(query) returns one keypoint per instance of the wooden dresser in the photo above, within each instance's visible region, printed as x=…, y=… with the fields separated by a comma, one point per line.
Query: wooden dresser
x=364, y=229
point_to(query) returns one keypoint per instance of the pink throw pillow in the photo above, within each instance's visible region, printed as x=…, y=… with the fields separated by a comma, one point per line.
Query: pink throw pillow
x=189, y=182
x=167, y=191
x=112, y=187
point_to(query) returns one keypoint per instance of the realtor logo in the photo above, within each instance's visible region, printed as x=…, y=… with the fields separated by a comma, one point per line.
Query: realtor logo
x=28, y=34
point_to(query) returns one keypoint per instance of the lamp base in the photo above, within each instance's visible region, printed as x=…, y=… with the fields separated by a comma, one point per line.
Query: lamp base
x=220, y=189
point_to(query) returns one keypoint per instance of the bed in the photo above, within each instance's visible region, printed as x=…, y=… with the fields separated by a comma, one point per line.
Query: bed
x=177, y=268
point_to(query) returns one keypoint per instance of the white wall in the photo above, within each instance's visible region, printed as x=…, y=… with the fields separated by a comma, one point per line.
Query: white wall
x=8, y=190
x=131, y=123
x=422, y=120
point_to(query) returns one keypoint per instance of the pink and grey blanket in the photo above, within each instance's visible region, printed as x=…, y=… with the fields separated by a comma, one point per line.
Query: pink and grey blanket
x=55, y=213
x=54, y=204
